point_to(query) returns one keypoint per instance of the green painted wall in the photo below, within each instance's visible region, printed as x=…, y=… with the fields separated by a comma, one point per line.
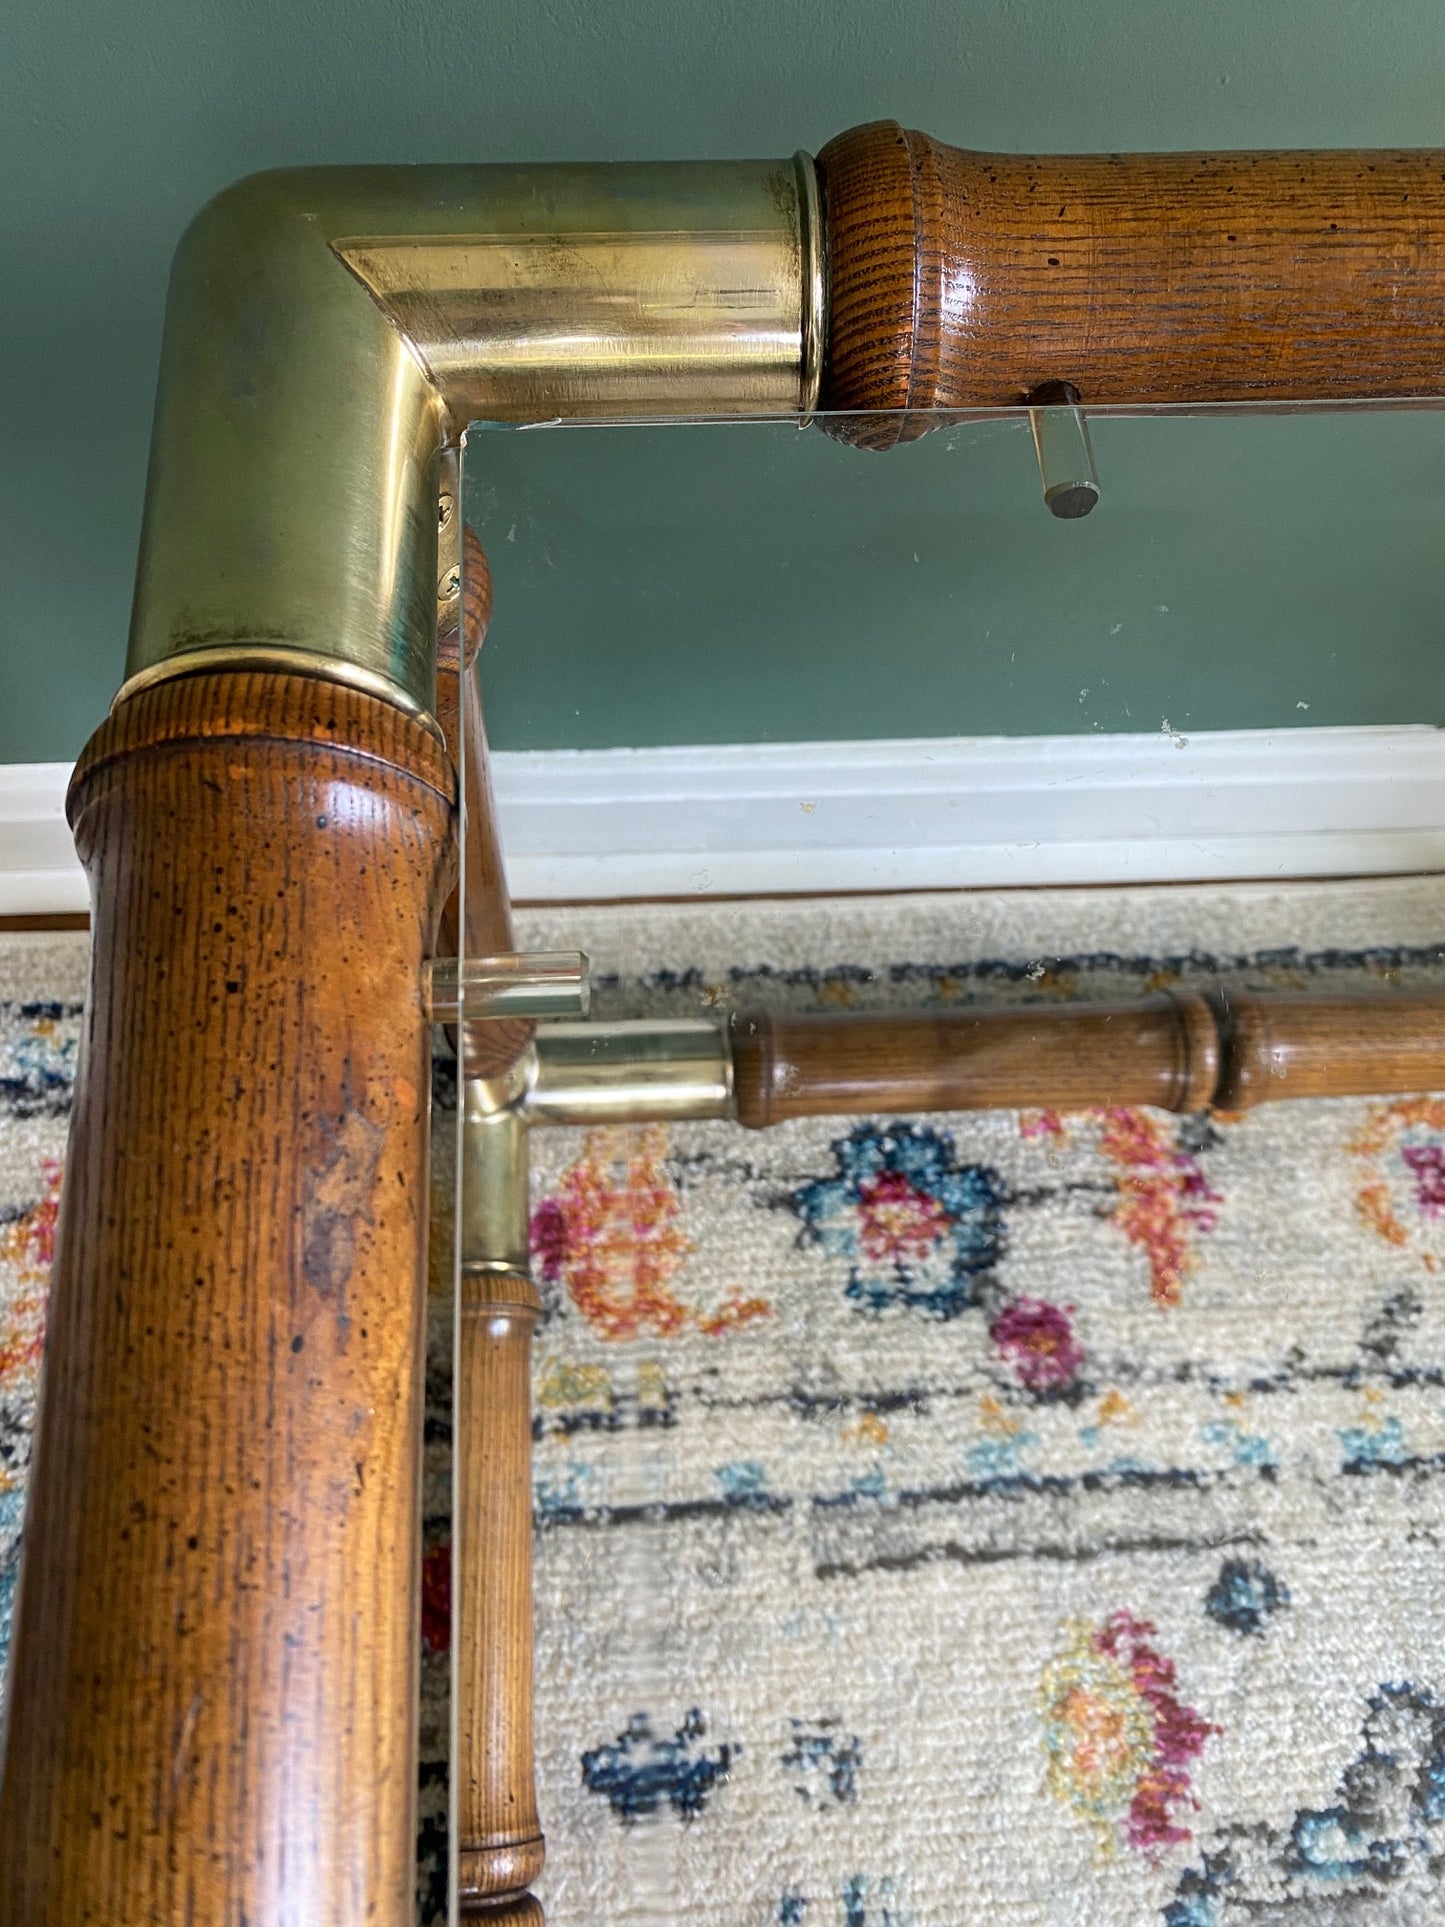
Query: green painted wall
x=731, y=584
x=1300, y=569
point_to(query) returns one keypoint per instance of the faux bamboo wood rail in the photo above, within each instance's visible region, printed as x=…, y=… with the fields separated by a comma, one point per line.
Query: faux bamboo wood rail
x=1178, y=1050
x=967, y=280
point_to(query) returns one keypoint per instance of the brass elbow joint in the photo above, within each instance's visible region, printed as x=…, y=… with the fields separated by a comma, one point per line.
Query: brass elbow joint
x=330, y=330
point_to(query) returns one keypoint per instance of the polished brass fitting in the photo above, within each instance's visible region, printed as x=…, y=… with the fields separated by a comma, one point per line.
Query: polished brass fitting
x=330, y=330
x=494, y=1174
x=633, y=1072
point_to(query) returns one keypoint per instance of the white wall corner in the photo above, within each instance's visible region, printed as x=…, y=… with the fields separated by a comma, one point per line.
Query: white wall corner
x=39, y=874
x=929, y=813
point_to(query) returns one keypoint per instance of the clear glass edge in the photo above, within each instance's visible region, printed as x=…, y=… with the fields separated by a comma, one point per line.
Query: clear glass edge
x=467, y=694
x=1020, y=412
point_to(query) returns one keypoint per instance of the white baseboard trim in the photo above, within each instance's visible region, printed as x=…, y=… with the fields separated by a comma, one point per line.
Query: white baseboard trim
x=39, y=874
x=927, y=814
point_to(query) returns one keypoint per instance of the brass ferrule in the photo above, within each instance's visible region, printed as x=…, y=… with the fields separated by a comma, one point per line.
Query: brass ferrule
x=636, y=1071
x=329, y=331
x=494, y=1210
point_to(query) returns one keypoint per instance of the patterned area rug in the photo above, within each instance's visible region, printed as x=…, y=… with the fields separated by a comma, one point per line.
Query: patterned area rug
x=1012, y=1517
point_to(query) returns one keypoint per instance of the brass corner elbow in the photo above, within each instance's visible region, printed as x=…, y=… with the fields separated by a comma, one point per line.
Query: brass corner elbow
x=330, y=330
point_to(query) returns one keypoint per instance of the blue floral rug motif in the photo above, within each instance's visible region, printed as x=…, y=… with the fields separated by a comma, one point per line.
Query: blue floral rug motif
x=921, y=1228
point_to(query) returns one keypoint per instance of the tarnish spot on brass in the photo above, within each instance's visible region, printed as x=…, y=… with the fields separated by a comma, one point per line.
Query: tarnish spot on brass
x=336, y=1194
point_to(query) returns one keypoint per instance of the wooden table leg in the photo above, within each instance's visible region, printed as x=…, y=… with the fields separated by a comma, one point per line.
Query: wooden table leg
x=499, y=1838
x=213, y=1695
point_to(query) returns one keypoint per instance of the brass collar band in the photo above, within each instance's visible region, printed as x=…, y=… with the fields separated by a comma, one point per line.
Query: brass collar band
x=814, y=282
x=278, y=659
x=329, y=331
x=633, y=1071
x=622, y=292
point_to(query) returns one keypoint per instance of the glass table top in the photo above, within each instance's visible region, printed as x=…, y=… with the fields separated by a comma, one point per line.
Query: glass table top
x=1245, y=566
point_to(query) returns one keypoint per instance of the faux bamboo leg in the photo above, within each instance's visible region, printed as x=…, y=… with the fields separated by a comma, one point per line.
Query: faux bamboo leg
x=499, y=1838
x=486, y=1049
x=214, y=1675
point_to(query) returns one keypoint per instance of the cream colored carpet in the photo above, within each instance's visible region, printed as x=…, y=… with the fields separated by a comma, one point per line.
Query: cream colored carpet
x=1001, y=1518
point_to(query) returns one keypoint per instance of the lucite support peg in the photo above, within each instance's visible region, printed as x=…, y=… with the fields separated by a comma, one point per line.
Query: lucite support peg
x=1066, y=456
x=540, y=983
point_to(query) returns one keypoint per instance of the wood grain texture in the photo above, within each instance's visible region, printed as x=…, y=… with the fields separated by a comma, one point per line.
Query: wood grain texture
x=1315, y=1044
x=489, y=1049
x=499, y=1837
x=1160, y=1051
x=213, y=1696
x=464, y=618
x=1181, y=1051
x=965, y=280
